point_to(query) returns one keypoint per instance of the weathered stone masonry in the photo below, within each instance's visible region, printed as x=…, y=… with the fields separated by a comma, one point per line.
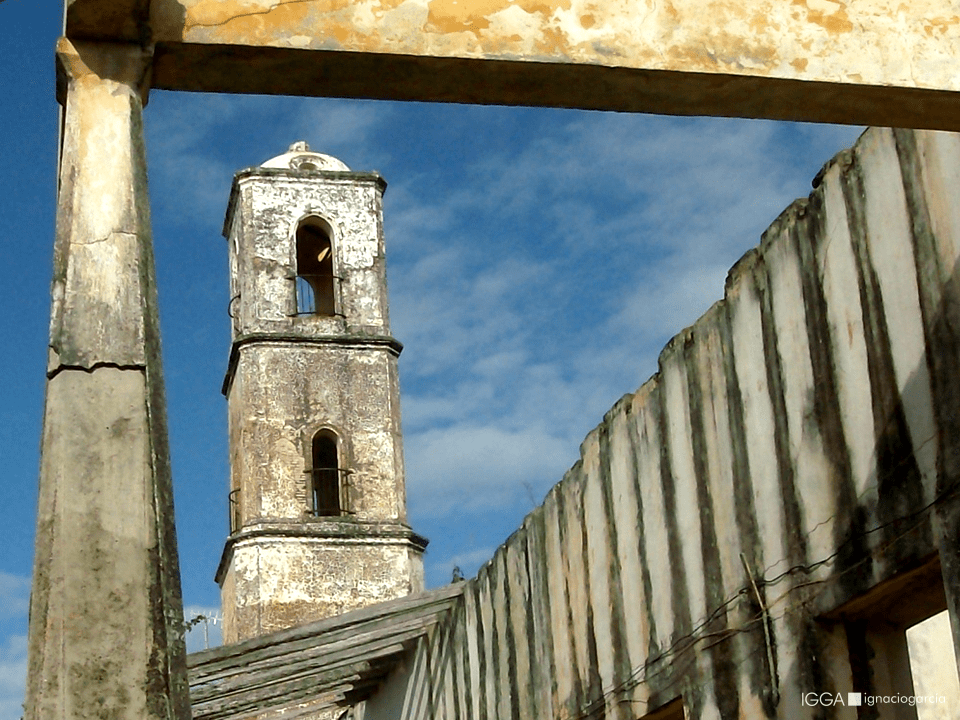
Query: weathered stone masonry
x=767, y=513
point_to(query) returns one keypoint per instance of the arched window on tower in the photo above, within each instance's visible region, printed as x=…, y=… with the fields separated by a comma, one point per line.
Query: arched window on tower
x=325, y=475
x=315, y=293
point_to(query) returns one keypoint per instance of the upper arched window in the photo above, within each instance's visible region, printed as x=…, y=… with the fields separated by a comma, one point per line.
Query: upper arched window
x=315, y=291
x=325, y=475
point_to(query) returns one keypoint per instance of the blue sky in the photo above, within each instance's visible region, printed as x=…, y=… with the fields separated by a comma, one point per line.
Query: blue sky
x=537, y=260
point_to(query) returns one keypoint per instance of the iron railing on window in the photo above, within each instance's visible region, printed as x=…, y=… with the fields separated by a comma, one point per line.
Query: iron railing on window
x=307, y=301
x=329, y=491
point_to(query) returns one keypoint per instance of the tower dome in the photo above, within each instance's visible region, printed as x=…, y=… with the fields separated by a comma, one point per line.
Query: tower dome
x=299, y=157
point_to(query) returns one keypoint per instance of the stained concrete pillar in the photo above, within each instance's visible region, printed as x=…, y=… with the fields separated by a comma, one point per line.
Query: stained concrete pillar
x=106, y=638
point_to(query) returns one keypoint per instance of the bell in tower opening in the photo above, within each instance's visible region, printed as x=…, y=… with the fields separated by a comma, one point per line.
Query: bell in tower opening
x=317, y=499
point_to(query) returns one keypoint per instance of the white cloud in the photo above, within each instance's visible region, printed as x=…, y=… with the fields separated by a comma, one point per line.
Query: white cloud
x=469, y=561
x=196, y=142
x=13, y=674
x=602, y=239
x=673, y=299
x=340, y=126
x=469, y=467
x=14, y=595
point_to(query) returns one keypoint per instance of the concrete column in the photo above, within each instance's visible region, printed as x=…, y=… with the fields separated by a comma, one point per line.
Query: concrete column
x=106, y=638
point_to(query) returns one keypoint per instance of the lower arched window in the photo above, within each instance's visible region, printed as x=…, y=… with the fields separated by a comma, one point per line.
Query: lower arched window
x=325, y=475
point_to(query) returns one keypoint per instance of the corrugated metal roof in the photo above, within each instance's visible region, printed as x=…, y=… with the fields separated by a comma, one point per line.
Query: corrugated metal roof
x=332, y=662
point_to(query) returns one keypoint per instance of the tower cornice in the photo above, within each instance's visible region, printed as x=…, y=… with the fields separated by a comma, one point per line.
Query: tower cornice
x=299, y=176
x=356, y=340
x=337, y=532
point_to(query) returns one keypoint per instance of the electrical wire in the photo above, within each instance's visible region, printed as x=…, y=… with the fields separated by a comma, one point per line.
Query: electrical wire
x=689, y=642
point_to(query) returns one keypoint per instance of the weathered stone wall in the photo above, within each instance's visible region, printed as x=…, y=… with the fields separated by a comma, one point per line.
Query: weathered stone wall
x=265, y=207
x=279, y=582
x=764, y=517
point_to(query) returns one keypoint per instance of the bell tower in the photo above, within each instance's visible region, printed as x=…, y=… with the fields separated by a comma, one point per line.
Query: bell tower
x=317, y=500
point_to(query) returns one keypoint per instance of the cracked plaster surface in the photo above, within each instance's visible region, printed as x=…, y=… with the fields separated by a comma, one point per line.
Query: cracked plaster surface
x=874, y=42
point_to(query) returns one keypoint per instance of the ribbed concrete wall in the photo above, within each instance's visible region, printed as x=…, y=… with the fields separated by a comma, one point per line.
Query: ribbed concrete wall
x=804, y=430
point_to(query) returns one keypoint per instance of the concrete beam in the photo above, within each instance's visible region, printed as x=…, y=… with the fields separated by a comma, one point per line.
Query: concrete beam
x=875, y=62
x=106, y=617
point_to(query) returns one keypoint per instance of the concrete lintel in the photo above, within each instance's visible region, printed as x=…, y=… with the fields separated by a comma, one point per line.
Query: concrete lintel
x=284, y=71
x=878, y=62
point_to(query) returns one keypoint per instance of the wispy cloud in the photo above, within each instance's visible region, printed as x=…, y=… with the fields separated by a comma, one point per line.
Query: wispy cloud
x=14, y=595
x=481, y=467
x=600, y=239
x=13, y=674
x=197, y=142
x=469, y=561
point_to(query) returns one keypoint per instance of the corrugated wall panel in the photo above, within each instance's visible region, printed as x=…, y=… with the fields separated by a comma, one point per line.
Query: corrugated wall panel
x=835, y=268
x=709, y=413
x=505, y=652
x=577, y=578
x=632, y=573
x=597, y=537
x=815, y=477
x=490, y=678
x=654, y=552
x=474, y=687
x=520, y=623
x=684, y=520
x=887, y=224
x=540, y=639
x=461, y=678
x=560, y=622
x=749, y=363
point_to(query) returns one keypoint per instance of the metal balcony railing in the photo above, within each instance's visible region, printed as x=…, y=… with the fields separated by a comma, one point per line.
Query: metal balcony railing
x=309, y=302
x=329, y=494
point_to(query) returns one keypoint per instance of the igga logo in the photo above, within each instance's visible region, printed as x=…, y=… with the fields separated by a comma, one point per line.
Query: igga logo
x=822, y=699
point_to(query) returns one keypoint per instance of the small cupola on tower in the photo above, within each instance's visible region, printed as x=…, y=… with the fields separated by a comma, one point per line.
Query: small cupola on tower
x=317, y=498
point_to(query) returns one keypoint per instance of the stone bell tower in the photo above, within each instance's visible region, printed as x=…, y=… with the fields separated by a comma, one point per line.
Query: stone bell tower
x=317, y=502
